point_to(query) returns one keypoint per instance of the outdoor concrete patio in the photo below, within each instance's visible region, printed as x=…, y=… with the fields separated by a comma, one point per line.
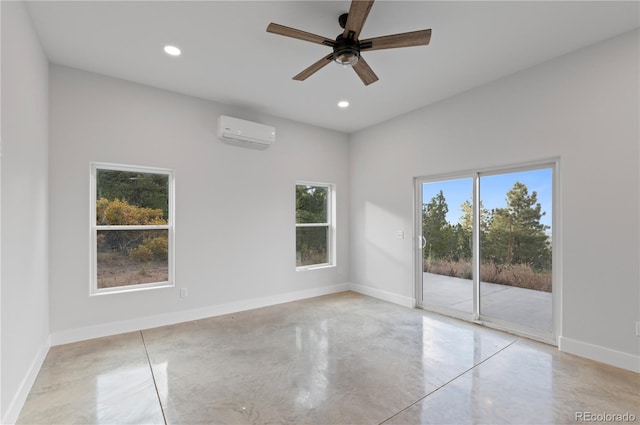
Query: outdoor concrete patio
x=523, y=307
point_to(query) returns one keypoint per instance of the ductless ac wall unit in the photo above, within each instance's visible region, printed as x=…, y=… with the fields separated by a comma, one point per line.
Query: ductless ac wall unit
x=247, y=134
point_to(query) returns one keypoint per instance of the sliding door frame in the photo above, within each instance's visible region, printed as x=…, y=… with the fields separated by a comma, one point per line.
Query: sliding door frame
x=476, y=316
x=418, y=246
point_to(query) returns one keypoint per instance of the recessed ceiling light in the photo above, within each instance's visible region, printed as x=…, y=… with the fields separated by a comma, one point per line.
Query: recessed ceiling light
x=172, y=50
x=343, y=104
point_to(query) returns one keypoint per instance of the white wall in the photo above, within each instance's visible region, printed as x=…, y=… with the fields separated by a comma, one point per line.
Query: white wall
x=583, y=108
x=24, y=215
x=235, y=207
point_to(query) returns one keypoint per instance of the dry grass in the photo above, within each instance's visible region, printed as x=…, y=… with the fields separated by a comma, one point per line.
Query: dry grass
x=518, y=275
x=118, y=270
x=311, y=257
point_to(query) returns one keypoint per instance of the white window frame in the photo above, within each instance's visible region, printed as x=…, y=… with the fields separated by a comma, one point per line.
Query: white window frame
x=94, y=228
x=330, y=225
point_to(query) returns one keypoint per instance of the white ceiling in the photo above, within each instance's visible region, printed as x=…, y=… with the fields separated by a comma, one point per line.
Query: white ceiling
x=228, y=56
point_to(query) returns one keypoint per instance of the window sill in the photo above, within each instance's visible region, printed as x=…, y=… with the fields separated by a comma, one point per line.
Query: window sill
x=131, y=288
x=314, y=267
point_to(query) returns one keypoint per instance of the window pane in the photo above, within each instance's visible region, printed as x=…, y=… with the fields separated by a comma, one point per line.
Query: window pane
x=311, y=204
x=515, y=248
x=132, y=257
x=447, y=229
x=311, y=245
x=131, y=197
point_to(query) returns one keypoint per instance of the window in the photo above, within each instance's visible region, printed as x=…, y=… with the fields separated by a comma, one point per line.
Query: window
x=131, y=228
x=314, y=225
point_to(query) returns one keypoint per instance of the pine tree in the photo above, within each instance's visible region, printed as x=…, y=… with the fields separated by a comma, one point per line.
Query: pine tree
x=515, y=234
x=436, y=230
x=464, y=230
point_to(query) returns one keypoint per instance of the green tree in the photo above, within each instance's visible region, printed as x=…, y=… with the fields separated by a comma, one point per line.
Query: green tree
x=464, y=230
x=515, y=234
x=466, y=220
x=436, y=229
x=311, y=204
x=148, y=190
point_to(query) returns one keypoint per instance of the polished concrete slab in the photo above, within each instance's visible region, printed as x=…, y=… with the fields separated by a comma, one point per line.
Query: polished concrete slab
x=530, y=383
x=106, y=380
x=522, y=307
x=339, y=359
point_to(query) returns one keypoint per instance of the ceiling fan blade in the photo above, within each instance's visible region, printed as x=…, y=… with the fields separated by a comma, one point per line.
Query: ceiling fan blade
x=358, y=13
x=365, y=72
x=407, y=39
x=299, y=34
x=314, y=68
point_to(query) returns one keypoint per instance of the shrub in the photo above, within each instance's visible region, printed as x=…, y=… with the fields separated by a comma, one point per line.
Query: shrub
x=518, y=275
x=120, y=212
x=159, y=247
x=141, y=253
x=152, y=248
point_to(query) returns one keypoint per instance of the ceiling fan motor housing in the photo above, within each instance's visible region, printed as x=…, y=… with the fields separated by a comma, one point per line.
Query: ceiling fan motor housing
x=346, y=51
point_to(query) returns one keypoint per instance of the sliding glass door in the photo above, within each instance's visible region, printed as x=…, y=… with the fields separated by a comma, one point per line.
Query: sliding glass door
x=515, y=248
x=484, y=250
x=446, y=238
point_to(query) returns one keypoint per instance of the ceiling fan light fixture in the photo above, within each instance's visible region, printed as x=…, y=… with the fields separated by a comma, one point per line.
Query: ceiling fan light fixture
x=346, y=59
x=346, y=52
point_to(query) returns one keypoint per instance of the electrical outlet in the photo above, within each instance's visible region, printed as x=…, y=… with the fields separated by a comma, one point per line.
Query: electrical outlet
x=637, y=328
x=183, y=293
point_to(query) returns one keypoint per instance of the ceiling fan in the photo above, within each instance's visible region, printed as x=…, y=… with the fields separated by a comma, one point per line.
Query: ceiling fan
x=347, y=46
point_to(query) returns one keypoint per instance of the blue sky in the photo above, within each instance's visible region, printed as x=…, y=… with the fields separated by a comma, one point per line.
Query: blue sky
x=493, y=191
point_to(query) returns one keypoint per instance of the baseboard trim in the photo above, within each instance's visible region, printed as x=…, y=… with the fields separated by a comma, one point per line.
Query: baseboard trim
x=383, y=295
x=114, y=328
x=600, y=354
x=20, y=397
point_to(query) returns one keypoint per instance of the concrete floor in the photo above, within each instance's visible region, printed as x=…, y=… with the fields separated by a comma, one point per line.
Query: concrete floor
x=339, y=359
x=523, y=307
